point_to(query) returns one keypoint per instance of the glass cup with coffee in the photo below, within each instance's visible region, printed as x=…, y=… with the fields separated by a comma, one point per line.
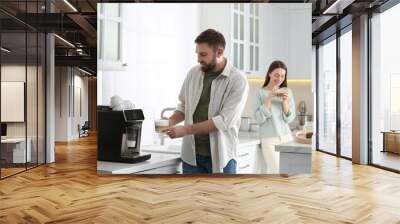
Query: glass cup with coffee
x=161, y=125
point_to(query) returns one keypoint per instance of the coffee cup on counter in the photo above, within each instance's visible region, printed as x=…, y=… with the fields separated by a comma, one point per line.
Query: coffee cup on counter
x=161, y=125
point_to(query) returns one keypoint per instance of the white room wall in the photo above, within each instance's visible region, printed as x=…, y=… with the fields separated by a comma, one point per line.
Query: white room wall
x=14, y=72
x=79, y=117
x=158, y=59
x=66, y=120
x=33, y=126
x=217, y=16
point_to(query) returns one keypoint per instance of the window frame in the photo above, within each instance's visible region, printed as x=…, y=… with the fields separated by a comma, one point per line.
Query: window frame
x=102, y=63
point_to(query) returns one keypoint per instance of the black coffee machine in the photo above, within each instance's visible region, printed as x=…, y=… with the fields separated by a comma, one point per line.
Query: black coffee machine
x=118, y=135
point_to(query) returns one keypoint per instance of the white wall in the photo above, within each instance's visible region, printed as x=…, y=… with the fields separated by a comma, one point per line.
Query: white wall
x=15, y=72
x=285, y=34
x=67, y=82
x=33, y=126
x=217, y=16
x=80, y=83
x=61, y=103
x=159, y=50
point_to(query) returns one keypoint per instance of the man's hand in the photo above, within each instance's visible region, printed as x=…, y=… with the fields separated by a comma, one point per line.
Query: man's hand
x=201, y=128
x=177, y=131
x=176, y=118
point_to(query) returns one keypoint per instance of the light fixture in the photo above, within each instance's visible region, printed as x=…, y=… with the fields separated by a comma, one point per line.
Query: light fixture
x=86, y=72
x=70, y=5
x=64, y=40
x=5, y=50
x=337, y=7
x=326, y=11
x=262, y=80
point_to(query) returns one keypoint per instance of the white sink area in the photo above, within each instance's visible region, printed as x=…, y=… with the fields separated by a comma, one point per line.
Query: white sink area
x=172, y=149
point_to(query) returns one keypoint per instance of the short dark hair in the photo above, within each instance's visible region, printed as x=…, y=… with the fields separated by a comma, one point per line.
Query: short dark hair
x=212, y=37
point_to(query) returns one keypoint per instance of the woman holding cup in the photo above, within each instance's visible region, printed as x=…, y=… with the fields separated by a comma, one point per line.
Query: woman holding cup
x=275, y=109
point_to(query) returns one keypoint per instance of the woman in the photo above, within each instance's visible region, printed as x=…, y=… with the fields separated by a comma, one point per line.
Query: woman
x=275, y=109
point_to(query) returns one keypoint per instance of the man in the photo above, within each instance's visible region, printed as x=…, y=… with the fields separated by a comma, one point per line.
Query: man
x=212, y=99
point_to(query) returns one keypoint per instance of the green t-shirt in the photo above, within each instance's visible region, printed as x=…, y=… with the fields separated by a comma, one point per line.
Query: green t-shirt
x=202, y=142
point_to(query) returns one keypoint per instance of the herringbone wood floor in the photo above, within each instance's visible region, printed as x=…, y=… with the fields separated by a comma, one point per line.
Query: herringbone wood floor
x=70, y=191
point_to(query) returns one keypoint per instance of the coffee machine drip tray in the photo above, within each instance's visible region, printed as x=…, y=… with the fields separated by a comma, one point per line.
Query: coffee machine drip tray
x=133, y=158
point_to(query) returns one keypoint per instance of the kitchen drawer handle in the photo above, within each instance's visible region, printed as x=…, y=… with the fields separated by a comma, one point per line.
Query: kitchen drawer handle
x=243, y=167
x=243, y=155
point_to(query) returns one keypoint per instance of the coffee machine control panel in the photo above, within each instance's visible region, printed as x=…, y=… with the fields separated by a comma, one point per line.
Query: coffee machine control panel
x=133, y=115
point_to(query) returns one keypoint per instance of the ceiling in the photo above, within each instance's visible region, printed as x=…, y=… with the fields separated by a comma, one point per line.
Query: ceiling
x=75, y=21
x=332, y=15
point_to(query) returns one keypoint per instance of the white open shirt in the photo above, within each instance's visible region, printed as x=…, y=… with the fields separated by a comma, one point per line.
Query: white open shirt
x=227, y=99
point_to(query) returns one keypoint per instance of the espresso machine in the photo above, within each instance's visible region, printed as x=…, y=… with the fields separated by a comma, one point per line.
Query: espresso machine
x=118, y=135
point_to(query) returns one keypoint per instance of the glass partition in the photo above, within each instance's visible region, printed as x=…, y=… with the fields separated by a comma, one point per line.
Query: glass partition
x=22, y=67
x=327, y=96
x=346, y=94
x=13, y=95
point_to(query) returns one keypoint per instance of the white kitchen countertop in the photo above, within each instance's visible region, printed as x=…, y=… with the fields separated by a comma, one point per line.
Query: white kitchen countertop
x=249, y=138
x=157, y=160
x=245, y=139
x=294, y=147
x=161, y=156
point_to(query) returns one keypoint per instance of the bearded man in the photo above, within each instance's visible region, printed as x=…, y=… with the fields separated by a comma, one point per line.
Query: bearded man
x=212, y=99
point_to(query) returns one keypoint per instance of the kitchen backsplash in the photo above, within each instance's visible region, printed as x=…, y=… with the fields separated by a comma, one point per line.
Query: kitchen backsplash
x=301, y=91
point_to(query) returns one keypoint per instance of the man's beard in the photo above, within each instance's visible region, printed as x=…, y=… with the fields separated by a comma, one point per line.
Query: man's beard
x=210, y=66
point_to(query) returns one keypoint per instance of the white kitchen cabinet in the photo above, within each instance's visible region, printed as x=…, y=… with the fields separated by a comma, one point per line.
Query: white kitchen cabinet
x=294, y=158
x=170, y=169
x=300, y=41
x=110, y=37
x=246, y=159
x=240, y=24
x=286, y=35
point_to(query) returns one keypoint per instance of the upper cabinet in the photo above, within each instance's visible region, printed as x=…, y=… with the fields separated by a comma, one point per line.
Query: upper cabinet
x=110, y=34
x=287, y=37
x=258, y=33
x=240, y=24
x=300, y=41
x=245, y=41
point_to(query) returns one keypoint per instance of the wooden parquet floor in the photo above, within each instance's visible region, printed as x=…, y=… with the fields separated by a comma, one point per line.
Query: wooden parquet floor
x=70, y=191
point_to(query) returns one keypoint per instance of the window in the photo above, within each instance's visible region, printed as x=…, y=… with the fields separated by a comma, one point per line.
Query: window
x=238, y=35
x=109, y=35
x=254, y=37
x=246, y=37
x=346, y=94
x=385, y=89
x=327, y=96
